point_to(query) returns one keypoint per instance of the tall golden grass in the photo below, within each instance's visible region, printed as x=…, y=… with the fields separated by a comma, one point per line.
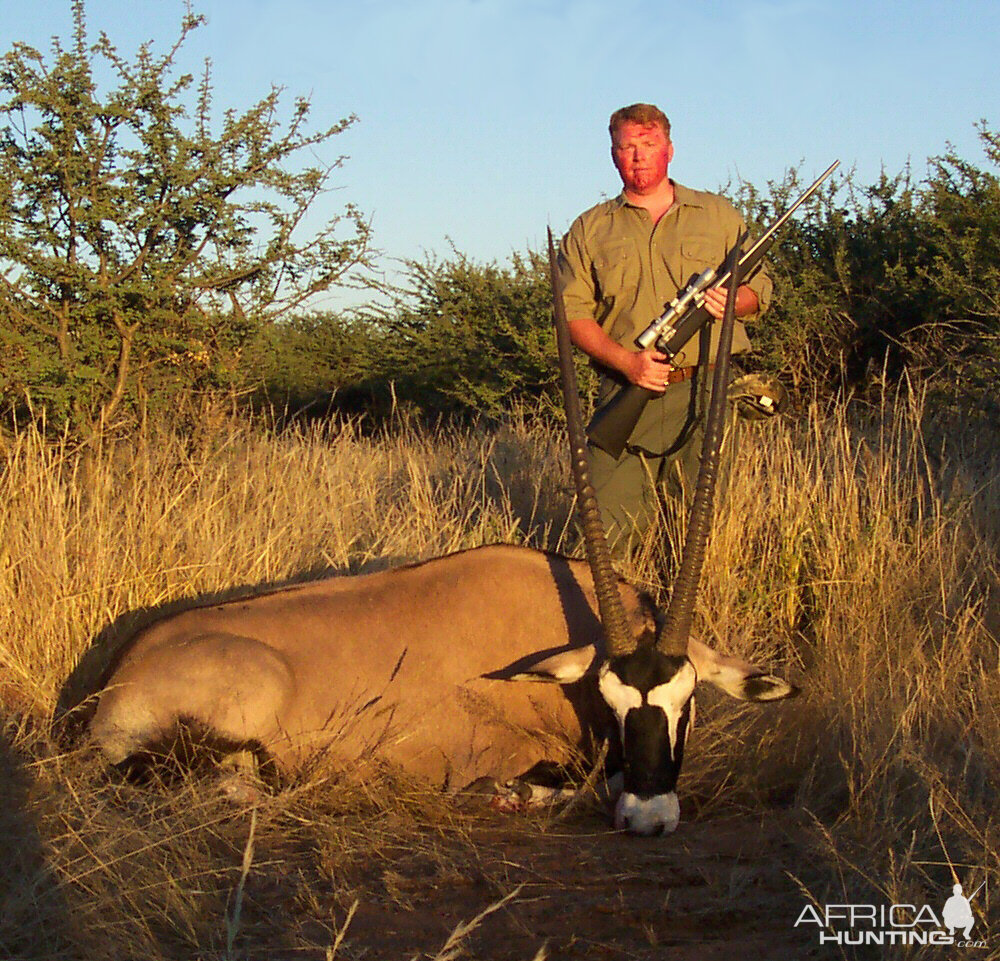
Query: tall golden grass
x=859, y=553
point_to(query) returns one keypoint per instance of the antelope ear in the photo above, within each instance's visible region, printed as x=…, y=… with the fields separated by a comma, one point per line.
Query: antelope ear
x=562, y=668
x=738, y=678
x=766, y=687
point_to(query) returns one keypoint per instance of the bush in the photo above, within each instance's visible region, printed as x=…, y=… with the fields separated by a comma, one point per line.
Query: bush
x=142, y=244
x=898, y=277
x=462, y=336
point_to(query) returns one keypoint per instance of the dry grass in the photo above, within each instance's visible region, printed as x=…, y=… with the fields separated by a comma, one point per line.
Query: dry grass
x=860, y=557
x=868, y=559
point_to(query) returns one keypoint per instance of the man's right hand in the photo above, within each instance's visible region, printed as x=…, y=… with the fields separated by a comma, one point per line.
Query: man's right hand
x=649, y=368
x=644, y=368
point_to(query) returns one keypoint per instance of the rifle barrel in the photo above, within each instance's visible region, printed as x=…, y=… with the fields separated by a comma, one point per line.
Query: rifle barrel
x=765, y=238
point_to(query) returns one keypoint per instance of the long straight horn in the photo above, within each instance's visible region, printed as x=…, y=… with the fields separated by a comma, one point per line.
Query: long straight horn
x=617, y=635
x=676, y=627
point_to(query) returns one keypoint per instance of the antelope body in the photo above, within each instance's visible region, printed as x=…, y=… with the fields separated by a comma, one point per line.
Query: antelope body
x=392, y=660
x=394, y=663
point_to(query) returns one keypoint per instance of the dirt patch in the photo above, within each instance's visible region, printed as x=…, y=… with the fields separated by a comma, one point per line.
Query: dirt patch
x=717, y=889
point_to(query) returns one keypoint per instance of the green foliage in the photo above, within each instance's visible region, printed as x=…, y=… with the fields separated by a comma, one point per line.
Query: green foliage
x=963, y=205
x=964, y=217
x=871, y=283
x=466, y=336
x=150, y=248
x=142, y=241
x=314, y=360
x=896, y=277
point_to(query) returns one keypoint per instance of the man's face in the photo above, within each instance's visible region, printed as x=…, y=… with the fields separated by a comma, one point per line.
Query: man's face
x=641, y=154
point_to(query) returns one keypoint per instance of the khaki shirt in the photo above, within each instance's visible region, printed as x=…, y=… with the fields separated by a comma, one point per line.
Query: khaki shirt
x=621, y=270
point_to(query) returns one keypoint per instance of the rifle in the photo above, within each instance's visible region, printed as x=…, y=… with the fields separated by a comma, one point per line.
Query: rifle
x=612, y=424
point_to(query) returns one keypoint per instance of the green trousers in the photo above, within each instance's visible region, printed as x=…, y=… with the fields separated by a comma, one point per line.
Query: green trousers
x=661, y=459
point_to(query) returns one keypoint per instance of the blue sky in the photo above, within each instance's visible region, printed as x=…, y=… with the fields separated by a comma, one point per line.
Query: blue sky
x=483, y=120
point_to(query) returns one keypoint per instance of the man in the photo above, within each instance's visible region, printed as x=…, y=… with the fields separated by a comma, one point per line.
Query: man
x=620, y=264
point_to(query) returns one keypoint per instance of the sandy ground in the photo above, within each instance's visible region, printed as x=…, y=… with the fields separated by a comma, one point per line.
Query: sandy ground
x=707, y=892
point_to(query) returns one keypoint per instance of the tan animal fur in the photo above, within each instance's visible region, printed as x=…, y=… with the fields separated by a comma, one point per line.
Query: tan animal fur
x=390, y=664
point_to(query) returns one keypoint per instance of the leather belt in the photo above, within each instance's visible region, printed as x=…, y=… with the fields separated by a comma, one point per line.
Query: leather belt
x=679, y=374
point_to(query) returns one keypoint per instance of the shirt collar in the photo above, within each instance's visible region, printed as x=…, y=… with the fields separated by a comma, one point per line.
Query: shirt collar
x=683, y=197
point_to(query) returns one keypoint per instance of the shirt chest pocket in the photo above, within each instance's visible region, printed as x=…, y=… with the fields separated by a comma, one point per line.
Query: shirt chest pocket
x=612, y=267
x=699, y=252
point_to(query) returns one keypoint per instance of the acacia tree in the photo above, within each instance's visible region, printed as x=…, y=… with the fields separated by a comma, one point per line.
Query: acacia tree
x=142, y=238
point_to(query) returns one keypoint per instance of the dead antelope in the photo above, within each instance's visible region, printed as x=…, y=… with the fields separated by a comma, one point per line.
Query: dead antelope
x=421, y=664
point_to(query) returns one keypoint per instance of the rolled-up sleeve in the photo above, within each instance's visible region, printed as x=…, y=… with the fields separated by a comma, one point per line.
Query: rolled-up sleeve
x=576, y=274
x=619, y=269
x=761, y=285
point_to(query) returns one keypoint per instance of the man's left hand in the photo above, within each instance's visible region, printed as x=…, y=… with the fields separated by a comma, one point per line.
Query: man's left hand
x=715, y=301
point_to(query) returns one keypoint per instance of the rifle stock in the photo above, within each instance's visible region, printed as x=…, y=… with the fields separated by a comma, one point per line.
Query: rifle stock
x=612, y=425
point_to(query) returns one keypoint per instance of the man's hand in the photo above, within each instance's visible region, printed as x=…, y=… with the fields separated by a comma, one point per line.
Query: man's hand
x=645, y=368
x=715, y=301
x=649, y=369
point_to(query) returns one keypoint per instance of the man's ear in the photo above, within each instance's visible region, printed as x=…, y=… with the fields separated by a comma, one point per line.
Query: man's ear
x=562, y=668
x=738, y=678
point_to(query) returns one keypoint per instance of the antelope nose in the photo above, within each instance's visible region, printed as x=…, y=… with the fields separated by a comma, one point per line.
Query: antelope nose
x=647, y=817
x=631, y=826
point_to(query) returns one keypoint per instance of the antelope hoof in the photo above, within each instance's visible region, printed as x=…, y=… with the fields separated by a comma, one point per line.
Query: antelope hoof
x=514, y=796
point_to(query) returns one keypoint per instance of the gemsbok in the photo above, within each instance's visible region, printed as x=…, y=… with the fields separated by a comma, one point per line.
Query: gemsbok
x=423, y=665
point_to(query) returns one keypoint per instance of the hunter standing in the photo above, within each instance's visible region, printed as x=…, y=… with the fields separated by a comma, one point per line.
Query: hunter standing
x=620, y=263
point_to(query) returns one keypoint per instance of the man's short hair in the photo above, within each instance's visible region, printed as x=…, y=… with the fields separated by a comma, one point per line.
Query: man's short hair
x=641, y=113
